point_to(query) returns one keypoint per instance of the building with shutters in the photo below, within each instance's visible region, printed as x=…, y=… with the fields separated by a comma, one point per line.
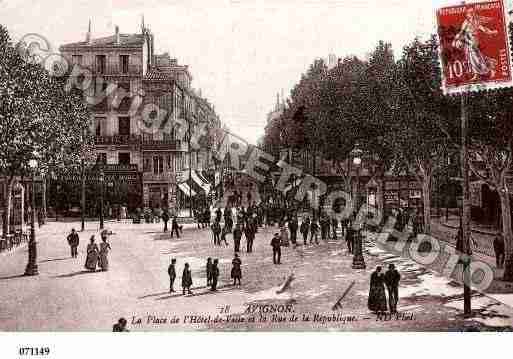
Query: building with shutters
x=145, y=164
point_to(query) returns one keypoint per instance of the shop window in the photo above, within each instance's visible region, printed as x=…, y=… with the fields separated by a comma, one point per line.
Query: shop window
x=124, y=158
x=101, y=158
x=124, y=126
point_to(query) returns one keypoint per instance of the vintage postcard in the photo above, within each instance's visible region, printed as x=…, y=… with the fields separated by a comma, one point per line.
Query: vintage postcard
x=257, y=166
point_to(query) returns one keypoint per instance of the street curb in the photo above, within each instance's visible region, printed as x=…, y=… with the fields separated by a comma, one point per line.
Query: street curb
x=473, y=230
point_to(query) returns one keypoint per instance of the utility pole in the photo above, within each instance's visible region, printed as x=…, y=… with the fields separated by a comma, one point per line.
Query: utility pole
x=102, y=180
x=465, y=223
x=190, y=164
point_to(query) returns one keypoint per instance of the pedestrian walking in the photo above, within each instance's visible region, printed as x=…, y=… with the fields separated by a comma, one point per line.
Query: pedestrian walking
x=215, y=274
x=171, y=271
x=325, y=226
x=350, y=237
x=165, y=218
x=276, y=245
x=229, y=223
x=293, y=226
x=250, y=237
x=392, y=279
x=104, y=254
x=218, y=214
x=334, y=227
x=186, y=279
x=314, y=232
x=344, y=225
x=377, y=302
x=206, y=218
x=216, y=232
x=40, y=218
x=236, y=273
x=209, y=269
x=305, y=229
x=92, y=255
x=120, y=326
x=175, y=227
x=224, y=232
x=499, y=249
x=237, y=236
x=73, y=241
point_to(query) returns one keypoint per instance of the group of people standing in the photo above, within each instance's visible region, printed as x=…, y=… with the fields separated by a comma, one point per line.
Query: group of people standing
x=212, y=274
x=377, y=302
x=247, y=224
x=96, y=256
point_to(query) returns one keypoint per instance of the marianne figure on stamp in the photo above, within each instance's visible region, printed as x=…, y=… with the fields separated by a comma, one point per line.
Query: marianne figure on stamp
x=467, y=39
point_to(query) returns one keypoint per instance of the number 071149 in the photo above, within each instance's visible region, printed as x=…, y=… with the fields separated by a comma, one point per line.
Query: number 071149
x=34, y=351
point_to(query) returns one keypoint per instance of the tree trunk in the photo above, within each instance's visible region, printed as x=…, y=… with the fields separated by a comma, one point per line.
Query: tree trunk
x=10, y=186
x=380, y=199
x=43, y=209
x=508, y=236
x=426, y=197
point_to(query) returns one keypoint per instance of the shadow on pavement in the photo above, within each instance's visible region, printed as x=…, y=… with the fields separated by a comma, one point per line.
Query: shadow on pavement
x=76, y=273
x=54, y=260
x=12, y=277
x=178, y=293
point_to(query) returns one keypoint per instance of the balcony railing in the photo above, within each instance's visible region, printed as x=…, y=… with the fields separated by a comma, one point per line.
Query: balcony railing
x=118, y=140
x=117, y=167
x=162, y=177
x=150, y=144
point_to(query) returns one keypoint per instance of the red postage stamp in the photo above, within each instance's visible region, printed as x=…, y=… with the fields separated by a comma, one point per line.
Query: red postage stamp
x=474, y=47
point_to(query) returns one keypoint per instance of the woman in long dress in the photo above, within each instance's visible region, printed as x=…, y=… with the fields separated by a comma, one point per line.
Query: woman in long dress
x=377, y=298
x=236, y=272
x=92, y=255
x=103, y=255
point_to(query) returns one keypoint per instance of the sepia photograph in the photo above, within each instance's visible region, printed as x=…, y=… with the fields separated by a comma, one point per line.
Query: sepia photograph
x=255, y=166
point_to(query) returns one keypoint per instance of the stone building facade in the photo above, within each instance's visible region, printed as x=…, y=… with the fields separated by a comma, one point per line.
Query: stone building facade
x=135, y=148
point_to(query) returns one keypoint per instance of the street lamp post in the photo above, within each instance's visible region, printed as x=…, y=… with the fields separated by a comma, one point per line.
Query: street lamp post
x=31, y=268
x=102, y=180
x=358, y=259
x=82, y=195
x=190, y=168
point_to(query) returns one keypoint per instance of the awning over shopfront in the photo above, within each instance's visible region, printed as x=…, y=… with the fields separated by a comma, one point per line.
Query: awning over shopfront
x=200, y=182
x=184, y=187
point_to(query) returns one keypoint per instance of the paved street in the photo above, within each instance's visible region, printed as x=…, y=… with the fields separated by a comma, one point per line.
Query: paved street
x=66, y=297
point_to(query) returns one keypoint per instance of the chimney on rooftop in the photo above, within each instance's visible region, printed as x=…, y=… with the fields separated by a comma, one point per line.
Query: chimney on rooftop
x=117, y=35
x=88, y=35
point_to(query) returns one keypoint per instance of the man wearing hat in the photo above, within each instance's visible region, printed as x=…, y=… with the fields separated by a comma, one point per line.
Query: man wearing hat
x=276, y=244
x=73, y=241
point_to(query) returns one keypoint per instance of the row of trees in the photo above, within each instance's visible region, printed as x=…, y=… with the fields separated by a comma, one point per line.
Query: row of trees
x=395, y=111
x=38, y=119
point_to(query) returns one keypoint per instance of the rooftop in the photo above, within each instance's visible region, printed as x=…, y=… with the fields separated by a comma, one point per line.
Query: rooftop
x=125, y=40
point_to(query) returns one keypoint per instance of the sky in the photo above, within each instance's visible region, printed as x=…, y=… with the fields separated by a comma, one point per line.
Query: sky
x=241, y=53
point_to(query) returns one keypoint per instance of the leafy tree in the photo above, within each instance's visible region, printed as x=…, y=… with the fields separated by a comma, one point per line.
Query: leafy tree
x=38, y=118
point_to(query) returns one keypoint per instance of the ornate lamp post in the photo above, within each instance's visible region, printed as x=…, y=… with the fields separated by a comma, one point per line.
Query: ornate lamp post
x=31, y=268
x=102, y=180
x=358, y=260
